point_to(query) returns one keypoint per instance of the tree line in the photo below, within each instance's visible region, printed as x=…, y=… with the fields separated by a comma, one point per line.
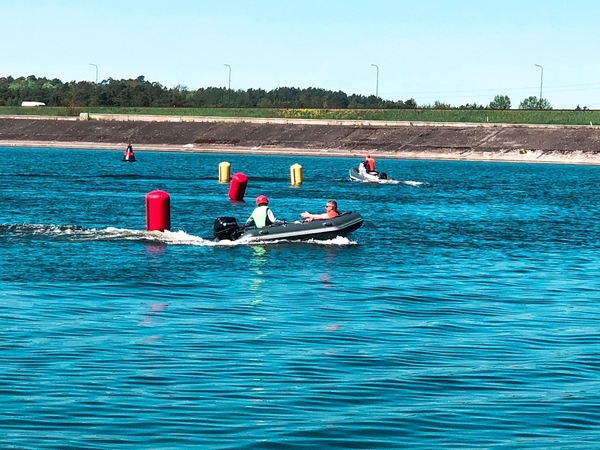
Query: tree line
x=140, y=92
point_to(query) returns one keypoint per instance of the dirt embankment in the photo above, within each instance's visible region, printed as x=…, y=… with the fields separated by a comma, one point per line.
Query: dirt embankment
x=579, y=144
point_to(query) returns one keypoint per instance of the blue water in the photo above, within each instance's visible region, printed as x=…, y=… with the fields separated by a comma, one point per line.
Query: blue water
x=463, y=314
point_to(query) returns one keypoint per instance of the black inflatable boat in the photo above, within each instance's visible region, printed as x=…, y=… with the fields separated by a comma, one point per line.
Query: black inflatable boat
x=227, y=228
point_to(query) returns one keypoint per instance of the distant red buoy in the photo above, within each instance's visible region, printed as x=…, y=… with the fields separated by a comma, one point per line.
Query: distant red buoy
x=237, y=188
x=158, y=211
x=128, y=156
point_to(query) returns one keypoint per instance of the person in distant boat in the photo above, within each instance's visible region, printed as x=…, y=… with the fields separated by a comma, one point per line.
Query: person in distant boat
x=262, y=214
x=128, y=156
x=331, y=211
x=369, y=164
x=362, y=168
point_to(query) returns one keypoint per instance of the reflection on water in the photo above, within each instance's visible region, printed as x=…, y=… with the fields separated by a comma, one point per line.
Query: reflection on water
x=259, y=257
x=257, y=261
x=155, y=250
x=331, y=252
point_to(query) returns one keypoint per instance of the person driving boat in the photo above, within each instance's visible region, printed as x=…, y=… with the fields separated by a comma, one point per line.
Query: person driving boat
x=369, y=164
x=262, y=214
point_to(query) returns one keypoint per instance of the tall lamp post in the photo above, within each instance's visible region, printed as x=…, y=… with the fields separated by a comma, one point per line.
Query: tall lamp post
x=96, y=71
x=541, y=83
x=229, y=85
x=377, y=84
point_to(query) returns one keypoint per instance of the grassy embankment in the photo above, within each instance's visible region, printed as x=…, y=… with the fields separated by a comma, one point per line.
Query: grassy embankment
x=546, y=117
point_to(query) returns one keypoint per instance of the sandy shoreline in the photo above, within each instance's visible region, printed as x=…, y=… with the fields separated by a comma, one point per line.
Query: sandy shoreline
x=457, y=142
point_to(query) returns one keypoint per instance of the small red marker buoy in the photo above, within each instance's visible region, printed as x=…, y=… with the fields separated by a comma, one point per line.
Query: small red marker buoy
x=237, y=188
x=158, y=211
x=128, y=156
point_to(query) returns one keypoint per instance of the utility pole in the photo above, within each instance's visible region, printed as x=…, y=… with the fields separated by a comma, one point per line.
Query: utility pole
x=229, y=85
x=96, y=71
x=377, y=83
x=541, y=83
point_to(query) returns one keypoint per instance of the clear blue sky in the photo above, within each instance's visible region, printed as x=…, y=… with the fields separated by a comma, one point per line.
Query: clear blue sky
x=453, y=51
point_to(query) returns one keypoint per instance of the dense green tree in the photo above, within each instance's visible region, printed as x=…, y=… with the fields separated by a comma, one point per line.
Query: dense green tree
x=500, y=102
x=410, y=104
x=529, y=103
x=139, y=92
x=533, y=102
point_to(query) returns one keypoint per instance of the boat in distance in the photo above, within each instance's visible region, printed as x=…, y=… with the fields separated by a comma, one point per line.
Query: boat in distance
x=227, y=228
x=370, y=177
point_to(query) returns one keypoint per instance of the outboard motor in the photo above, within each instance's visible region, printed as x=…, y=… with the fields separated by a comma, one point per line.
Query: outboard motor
x=227, y=228
x=382, y=176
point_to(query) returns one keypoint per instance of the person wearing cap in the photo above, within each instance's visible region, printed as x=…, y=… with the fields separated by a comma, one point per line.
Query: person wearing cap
x=262, y=214
x=369, y=164
x=331, y=211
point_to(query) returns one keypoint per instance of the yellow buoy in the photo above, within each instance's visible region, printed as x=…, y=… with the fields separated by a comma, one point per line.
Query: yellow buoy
x=296, y=174
x=224, y=168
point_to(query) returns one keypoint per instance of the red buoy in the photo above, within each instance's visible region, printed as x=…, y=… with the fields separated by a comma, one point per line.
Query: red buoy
x=158, y=211
x=237, y=188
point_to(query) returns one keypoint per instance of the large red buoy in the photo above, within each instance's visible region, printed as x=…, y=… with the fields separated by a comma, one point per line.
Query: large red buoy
x=237, y=188
x=158, y=211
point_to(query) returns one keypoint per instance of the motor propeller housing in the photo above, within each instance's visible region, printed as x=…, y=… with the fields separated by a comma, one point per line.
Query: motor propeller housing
x=227, y=228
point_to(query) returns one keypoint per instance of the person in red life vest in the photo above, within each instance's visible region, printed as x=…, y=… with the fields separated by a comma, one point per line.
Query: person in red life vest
x=369, y=164
x=331, y=211
x=128, y=156
x=262, y=214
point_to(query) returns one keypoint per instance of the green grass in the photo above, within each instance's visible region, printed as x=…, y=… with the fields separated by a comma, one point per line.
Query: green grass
x=550, y=117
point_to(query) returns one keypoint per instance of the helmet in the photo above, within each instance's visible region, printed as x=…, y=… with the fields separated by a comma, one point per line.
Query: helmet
x=262, y=199
x=368, y=156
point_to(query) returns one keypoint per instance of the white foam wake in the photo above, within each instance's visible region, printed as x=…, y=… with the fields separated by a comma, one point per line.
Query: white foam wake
x=73, y=233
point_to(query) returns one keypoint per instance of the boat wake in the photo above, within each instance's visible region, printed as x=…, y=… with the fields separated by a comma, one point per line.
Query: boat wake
x=416, y=183
x=74, y=233
x=388, y=181
x=403, y=182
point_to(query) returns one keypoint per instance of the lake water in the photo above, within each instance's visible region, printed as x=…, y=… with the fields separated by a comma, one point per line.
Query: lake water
x=463, y=314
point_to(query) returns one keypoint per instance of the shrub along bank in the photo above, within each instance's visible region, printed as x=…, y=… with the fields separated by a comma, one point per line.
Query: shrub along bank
x=533, y=117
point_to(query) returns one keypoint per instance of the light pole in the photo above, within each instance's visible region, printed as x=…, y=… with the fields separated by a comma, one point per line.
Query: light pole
x=229, y=85
x=377, y=84
x=96, y=71
x=541, y=83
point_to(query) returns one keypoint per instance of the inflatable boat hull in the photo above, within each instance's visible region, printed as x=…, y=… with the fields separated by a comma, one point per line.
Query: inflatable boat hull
x=317, y=229
x=371, y=177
